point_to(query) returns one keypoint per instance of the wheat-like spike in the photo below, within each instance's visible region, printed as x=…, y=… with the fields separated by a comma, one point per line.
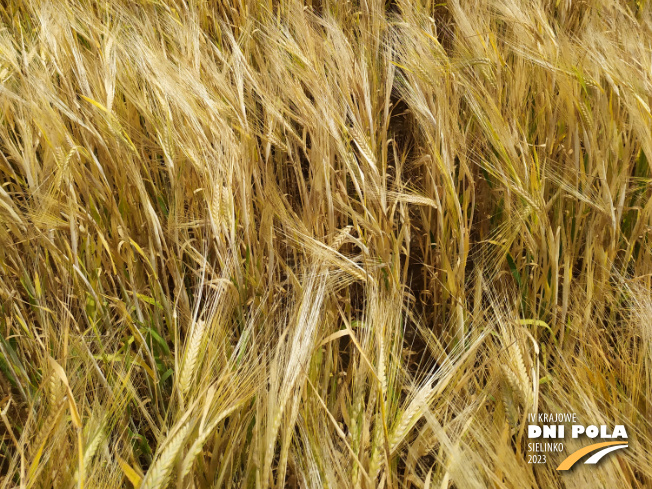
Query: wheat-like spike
x=413, y=199
x=198, y=444
x=341, y=237
x=92, y=447
x=276, y=423
x=227, y=202
x=409, y=417
x=216, y=206
x=358, y=399
x=508, y=398
x=363, y=145
x=381, y=367
x=48, y=425
x=376, y=448
x=54, y=390
x=160, y=471
x=187, y=376
x=524, y=385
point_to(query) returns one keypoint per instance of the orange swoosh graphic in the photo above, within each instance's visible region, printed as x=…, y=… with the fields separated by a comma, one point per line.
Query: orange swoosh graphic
x=575, y=456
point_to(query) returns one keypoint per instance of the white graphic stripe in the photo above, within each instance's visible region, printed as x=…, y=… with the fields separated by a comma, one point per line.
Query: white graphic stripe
x=595, y=458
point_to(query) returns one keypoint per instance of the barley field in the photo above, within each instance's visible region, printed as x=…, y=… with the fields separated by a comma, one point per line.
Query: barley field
x=322, y=243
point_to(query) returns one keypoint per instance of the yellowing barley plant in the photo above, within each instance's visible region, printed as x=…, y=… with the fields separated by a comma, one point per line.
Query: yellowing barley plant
x=323, y=243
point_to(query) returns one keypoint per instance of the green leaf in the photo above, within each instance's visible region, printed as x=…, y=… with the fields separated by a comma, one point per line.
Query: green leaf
x=159, y=340
x=149, y=300
x=513, y=269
